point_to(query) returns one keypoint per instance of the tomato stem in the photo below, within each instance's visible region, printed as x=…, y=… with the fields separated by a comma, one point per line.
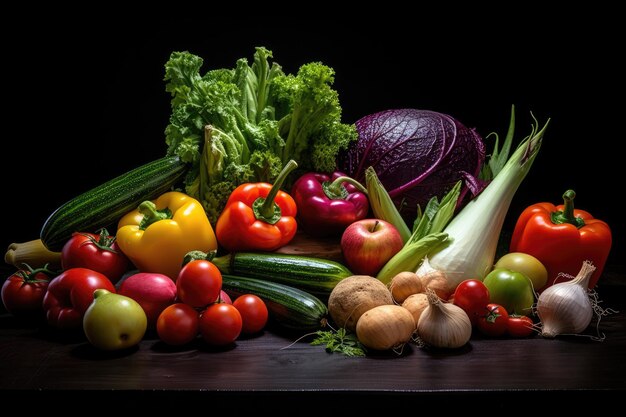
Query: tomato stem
x=29, y=275
x=103, y=242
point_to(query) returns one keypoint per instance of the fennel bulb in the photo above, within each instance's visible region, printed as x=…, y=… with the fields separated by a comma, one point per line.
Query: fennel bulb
x=475, y=231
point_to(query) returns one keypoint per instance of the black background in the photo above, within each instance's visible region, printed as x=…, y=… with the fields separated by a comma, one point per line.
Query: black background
x=84, y=99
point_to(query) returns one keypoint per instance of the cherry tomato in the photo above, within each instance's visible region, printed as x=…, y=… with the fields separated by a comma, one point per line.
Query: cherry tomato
x=520, y=326
x=493, y=321
x=23, y=292
x=199, y=283
x=99, y=253
x=253, y=312
x=178, y=324
x=220, y=324
x=472, y=296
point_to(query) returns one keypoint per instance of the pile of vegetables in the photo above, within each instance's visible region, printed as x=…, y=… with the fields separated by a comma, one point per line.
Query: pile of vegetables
x=244, y=124
x=256, y=156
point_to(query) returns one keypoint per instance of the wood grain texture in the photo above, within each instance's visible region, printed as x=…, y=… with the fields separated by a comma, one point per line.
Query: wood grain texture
x=303, y=245
x=35, y=359
x=260, y=372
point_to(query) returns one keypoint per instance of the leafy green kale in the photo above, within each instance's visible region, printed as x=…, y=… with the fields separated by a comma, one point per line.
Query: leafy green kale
x=243, y=124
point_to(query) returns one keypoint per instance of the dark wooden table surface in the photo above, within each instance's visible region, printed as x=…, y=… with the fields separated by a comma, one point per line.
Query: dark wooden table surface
x=36, y=360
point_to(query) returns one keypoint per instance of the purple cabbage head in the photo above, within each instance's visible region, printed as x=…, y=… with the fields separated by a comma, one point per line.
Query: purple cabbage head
x=417, y=154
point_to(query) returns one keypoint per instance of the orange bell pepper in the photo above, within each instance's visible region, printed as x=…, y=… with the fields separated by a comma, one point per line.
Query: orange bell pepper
x=258, y=216
x=562, y=238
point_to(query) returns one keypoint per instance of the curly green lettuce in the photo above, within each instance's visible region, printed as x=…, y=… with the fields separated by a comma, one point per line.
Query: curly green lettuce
x=243, y=124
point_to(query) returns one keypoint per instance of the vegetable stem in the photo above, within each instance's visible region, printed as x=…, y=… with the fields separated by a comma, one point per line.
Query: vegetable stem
x=409, y=258
x=476, y=229
x=382, y=204
x=151, y=214
x=567, y=214
x=102, y=242
x=334, y=190
x=267, y=209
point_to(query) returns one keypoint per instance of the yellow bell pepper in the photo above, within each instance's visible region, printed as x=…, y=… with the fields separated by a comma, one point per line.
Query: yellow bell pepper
x=157, y=235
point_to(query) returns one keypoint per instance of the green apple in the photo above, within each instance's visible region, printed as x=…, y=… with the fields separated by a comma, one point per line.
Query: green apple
x=512, y=290
x=113, y=321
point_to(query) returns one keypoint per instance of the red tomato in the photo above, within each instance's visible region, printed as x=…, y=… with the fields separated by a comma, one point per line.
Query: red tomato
x=253, y=313
x=178, y=324
x=472, y=296
x=520, y=326
x=220, y=324
x=493, y=321
x=99, y=253
x=199, y=283
x=23, y=292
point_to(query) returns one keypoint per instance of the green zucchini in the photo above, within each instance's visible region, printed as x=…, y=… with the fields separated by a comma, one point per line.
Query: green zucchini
x=318, y=276
x=106, y=203
x=290, y=307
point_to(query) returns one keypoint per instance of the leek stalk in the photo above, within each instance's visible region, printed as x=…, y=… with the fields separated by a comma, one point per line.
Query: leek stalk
x=475, y=230
x=426, y=237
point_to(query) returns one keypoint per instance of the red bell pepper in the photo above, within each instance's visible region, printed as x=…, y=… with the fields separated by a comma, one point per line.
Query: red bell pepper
x=258, y=216
x=70, y=294
x=562, y=238
x=329, y=204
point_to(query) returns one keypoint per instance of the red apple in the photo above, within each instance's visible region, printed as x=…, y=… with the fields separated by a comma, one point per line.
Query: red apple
x=154, y=292
x=368, y=244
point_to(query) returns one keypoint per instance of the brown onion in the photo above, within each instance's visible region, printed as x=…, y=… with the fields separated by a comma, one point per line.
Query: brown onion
x=385, y=327
x=403, y=285
x=416, y=304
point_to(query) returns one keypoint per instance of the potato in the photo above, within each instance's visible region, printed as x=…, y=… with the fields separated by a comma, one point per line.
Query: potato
x=355, y=295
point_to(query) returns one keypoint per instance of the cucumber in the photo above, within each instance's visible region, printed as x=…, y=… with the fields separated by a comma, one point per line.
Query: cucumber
x=290, y=307
x=106, y=203
x=318, y=276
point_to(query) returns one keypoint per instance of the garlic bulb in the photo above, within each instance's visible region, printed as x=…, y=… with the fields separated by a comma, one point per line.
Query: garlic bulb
x=565, y=308
x=443, y=325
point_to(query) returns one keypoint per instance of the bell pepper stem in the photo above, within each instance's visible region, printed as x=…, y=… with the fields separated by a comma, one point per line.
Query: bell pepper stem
x=334, y=189
x=266, y=211
x=567, y=214
x=151, y=214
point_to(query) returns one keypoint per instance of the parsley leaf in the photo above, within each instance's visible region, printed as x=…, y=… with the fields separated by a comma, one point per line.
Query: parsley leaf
x=339, y=341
